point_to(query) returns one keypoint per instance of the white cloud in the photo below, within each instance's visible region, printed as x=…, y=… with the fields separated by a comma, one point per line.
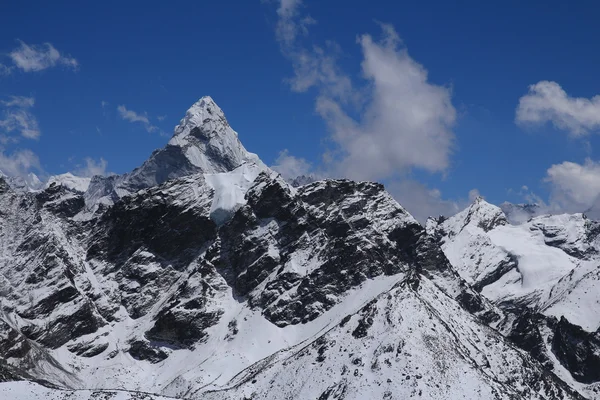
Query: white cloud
x=473, y=195
x=92, y=168
x=290, y=24
x=19, y=163
x=396, y=121
x=161, y=117
x=290, y=166
x=104, y=104
x=18, y=101
x=548, y=102
x=393, y=121
x=574, y=187
x=423, y=202
x=406, y=122
x=32, y=58
x=132, y=116
x=382, y=127
x=5, y=70
x=17, y=117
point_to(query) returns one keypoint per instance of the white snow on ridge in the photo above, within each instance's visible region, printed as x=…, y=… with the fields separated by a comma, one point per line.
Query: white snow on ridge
x=218, y=137
x=70, y=181
x=230, y=190
x=547, y=274
x=538, y=264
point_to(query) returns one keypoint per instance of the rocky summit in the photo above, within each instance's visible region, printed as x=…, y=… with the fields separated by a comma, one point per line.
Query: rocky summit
x=203, y=274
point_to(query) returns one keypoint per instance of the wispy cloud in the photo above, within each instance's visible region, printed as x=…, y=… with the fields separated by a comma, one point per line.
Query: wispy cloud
x=5, y=70
x=574, y=187
x=423, y=202
x=32, y=58
x=291, y=167
x=19, y=163
x=17, y=117
x=18, y=101
x=134, y=117
x=161, y=117
x=383, y=126
x=92, y=168
x=103, y=104
x=548, y=102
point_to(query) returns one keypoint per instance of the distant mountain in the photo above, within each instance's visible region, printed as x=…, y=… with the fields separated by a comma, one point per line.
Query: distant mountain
x=27, y=183
x=544, y=272
x=203, y=274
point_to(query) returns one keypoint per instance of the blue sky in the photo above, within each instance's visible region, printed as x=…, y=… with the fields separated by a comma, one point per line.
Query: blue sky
x=154, y=60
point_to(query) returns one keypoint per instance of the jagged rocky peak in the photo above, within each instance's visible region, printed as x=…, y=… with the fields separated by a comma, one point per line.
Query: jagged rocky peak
x=25, y=183
x=480, y=214
x=208, y=140
x=203, y=142
x=485, y=215
x=202, y=112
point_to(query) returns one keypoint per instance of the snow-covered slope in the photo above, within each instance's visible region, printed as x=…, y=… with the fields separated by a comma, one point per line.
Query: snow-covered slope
x=548, y=265
x=32, y=391
x=540, y=263
x=203, y=274
x=70, y=181
x=411, y=341
x=26, y=183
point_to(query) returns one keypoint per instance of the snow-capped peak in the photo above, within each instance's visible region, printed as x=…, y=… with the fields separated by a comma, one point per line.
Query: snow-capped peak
x=485, y=215
x=202, y=112
x=203, y=142
x=480, y=214
x=208, y=141
x=70, y=181
x=26, y=183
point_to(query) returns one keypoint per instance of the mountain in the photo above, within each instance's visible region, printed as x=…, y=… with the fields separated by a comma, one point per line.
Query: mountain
x=203, y=274
x=544, y=272
x=26, y=183
x=70, y=181
x=203, y=142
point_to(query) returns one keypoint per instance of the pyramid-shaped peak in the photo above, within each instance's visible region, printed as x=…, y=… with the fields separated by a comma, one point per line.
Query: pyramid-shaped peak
x=485, y=215
x=206, y=105
x=204, y=114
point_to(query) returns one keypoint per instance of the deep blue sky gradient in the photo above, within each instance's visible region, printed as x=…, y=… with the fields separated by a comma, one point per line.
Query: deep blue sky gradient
x=159, y=57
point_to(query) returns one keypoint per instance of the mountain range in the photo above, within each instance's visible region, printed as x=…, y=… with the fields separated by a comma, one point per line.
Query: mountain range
x=204, y=274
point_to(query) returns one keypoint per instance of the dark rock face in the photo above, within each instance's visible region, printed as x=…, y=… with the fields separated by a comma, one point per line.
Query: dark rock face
x=164, y=229
x=325, y=225
x=142, y=350
x=12, y=342
x=365, y=321
x=577, y=350
x=61, y=201
x=181, y=326
x=509, y=263
x=525, y=333
x=81, y=322
x=88, y=349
